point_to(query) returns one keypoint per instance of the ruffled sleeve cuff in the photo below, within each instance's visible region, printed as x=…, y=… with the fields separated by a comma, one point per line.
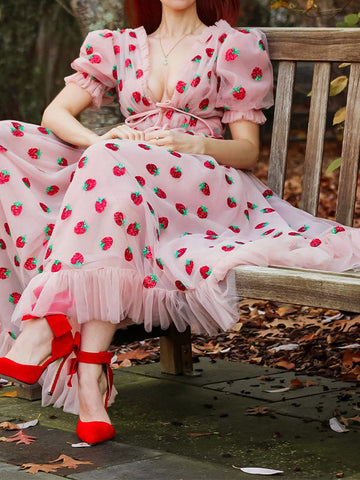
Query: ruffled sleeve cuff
x=99, y=92
x=255, y=116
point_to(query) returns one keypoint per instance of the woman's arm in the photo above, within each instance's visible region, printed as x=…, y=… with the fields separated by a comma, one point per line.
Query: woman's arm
x=59, y=116
x=240, y=152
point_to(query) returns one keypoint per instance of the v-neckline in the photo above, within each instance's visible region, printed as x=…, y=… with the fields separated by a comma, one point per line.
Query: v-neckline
x=188, y=58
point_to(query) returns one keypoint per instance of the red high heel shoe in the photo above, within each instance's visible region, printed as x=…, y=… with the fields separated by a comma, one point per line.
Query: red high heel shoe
x=95, y=432
x=61, y=347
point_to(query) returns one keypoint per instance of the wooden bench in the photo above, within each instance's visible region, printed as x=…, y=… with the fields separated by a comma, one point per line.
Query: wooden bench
x=287, y=46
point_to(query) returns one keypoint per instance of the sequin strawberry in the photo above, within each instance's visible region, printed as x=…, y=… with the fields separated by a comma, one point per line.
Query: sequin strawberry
x=144, y=146
x=159, y=192
x=209, y=164
x=197, y=59
x=227, y=248
x=181, y=86
x=137, y=198
x=203, y=105
x=231, y=54
x=257, y=73
x=209, y=52
x=228, y=179
x=44, y=131
x=181, y=208
x=67, y=211
x=44, y=207
x=150, y=281
x=16, y=208
x=119, y=170
x=30, y=263
x=139, y=73
x=112, y=146
x=175, y=154
x=128, y=63
x=128, y=254
x=82, y=162
x=147, y=253
x=16, y=261
x=140, y=180
x=163, y=223
x=152, y=169
x=175, y=172
x=133, y=229
x=268, y=210
x=81, y=228
x=4, y=273
x=159, y=263
x=89, y=184
x=231, y=202
x=2, y=244
x=14, y=298
x=2, y=149
x=180, y=286
x=189, y=266
x=136, y=97
x=196, y=81
x=239, y=93
x=337, y=229
x=4, y=176
x=20, y=241
x=202, y=212
x=56, y=266
x=315, y=242
x=180, y=252
x=26, y=182
x=222, y=38
x=204, y=188
x=211, y=235
x=235, y=228
x=77, y=259
x=94, y=58
x=106, y=243
x=49, y=229
x=261, y=225
x=205, y=271
x=52, y=190
x=268, y=193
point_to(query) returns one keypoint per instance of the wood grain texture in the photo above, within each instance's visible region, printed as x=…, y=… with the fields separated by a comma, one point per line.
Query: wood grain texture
x=281, y=127
x=350, y=151
x=314, y=44
x=315, y=137
x=300, y=286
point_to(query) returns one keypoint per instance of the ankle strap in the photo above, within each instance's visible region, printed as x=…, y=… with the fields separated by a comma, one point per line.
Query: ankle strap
x=58, y=323
x=91, y=357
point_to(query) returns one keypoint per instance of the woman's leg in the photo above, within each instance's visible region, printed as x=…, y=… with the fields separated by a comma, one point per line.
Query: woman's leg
x=96, y=336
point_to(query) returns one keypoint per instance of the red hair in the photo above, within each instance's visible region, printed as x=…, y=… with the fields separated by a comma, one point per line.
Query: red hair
x=148, y=12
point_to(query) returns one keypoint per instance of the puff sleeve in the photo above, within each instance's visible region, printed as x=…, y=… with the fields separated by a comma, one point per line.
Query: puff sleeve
x=96, y=68
x=245, y=76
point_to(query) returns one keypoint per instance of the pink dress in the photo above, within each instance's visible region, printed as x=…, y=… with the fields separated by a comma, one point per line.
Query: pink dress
x=143, y=233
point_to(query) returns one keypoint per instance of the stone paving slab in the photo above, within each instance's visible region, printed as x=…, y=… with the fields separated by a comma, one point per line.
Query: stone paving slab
x=163, y=467
x=206, y=371
x=12, y=472
x=266, y=389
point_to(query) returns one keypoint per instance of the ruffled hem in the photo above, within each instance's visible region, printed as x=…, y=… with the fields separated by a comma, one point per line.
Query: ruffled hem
x=255, y=116
x=116, y=295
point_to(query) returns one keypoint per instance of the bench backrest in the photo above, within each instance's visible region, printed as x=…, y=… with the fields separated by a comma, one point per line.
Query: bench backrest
x=323, y=46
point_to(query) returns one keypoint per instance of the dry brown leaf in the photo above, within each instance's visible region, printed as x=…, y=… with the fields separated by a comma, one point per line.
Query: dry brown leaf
x=307, y=338
x=138, y=354
x=279, y=4
x=286, y=310
x=200, y=434
x=126, y=363
x=257, y=411
x=285, y=364
x=311, y=384
x=296, y=383
x=21, y=437
x=9, y=426
x=12, y=394
x=68, y=462
x=36, y=468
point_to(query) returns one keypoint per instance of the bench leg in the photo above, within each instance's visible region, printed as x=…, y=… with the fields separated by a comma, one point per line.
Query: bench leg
x=175, y=352
x=29, y=392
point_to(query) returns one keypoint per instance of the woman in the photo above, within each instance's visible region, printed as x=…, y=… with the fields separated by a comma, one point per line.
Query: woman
x=159, y=210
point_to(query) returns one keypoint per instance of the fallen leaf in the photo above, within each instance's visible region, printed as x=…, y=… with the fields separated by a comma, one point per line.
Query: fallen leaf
x=338, y=85
x=278, y=390
x=296, y=383
x=195, y=434
x=126, y=363
x=12, y=394
x=309, y=383
x=21, y=437
x=69, y=462
x=346, y=421
x=286, y=310
x=36, y=467
x=336, y=426
x=258, y=471
x=279, y=4
x=289, y=346
x=31, y=423
x=138, y=354
x=310, y=4
x=80, y=445
x=9, y=426
x=285, y=364
x=257, y=411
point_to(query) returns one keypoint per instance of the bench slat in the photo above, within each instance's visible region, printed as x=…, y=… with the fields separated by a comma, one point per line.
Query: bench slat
x=281, y=129
x=350, y=151
x=340, y=291
x=315, y=137
x=314, y=45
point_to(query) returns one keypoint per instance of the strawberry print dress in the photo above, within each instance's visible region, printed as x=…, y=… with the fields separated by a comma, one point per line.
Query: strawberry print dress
x=127, y=232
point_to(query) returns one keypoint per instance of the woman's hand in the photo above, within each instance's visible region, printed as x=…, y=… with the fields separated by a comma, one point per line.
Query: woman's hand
x=178, y=142
x=124, y=132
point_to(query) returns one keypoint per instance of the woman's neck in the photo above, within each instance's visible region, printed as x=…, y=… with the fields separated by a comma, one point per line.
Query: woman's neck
x=177, y=23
